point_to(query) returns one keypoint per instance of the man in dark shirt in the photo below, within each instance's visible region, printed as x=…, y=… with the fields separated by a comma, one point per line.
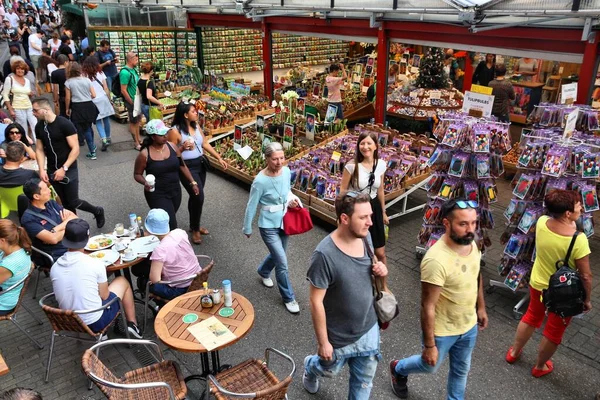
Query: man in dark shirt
x=58, y=79
x=11, y=173
x=44, y=220
x=341, y=300
x=107, y=58
x=57, y=140
x=14, y=51
x=65, y=47
x=503, y=92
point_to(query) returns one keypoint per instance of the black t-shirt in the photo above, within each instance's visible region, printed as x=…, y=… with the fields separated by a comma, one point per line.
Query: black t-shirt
x=59, y=77
x=54, y=138
x=142, y=87
x=10, y=178
x=64, y=49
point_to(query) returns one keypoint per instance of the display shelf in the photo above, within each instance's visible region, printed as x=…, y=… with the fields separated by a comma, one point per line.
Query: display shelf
x=221, y=58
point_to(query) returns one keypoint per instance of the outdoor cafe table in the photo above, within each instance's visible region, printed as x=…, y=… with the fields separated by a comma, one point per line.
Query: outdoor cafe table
x=172, y=331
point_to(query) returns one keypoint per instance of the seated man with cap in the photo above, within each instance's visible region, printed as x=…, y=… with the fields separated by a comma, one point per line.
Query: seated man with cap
x=44, y=220
x=173, y=259
x=80, y=283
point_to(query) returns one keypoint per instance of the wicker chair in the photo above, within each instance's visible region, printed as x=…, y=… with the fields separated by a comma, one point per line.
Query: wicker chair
x=252, y=379
x=41, y=268
x=68, y=324
x=159, y=381
x=12, y=315
x=196, y=284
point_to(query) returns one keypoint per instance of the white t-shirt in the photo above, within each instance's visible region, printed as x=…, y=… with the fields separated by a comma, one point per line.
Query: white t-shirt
x=51, y=69
x=72, y=46
x=54, y=46
x=35, y=39
x=97, y=84
x=13, y=18
x=75, y=278
x=363, y=177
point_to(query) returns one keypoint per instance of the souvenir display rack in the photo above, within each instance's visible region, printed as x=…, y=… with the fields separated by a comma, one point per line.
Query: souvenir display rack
x=465, y=164
x=547, y=159
x=419, y=104
x=291, y=50
x=167, y=48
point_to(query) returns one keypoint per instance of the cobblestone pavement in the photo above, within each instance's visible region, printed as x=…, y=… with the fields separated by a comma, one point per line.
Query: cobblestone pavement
x=108, y=181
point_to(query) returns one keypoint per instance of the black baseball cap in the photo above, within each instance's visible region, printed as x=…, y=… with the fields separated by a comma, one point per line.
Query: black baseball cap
x=77, y=234
x=64, y=38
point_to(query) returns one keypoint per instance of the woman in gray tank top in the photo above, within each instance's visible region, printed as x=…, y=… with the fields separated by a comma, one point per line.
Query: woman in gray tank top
x=188, y=137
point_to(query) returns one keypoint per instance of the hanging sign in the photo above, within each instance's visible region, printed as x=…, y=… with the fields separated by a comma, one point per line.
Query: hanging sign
x=571, y=122
x=568, y=93
x=481, y=89
x=478, y=104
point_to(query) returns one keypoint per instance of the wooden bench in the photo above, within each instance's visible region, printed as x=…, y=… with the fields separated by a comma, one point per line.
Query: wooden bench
x=3, y=367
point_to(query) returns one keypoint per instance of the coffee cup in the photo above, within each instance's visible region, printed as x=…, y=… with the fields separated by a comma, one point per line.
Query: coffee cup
x=151, y=181
x=129, y=254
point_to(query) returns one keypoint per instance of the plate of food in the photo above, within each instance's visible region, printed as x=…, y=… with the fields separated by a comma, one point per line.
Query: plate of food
x=108, y=256
x=144, y=244
x=100, y=242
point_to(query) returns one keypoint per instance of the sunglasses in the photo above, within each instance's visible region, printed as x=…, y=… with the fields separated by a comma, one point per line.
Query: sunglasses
x=352, y=194
x=14, y=133
x=463, y=204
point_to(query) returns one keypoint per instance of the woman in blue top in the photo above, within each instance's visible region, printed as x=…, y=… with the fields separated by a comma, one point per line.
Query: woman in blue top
x=271, y=191
x=189, y=139
x=15, y=263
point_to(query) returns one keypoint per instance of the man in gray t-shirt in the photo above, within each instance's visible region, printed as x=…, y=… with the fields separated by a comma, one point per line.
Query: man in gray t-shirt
x=341, y=300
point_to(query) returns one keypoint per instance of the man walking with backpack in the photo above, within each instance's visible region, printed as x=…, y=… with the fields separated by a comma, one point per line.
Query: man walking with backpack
x=452, y=304
x=129, y=77
x=555, y=237
x=341, y=300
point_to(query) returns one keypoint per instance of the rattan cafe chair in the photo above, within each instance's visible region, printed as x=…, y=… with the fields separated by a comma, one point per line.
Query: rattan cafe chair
x=160, y=381
x=68, y=324
x=196, y=284
x=12, y=317
x=252, y=379
x=45, y=268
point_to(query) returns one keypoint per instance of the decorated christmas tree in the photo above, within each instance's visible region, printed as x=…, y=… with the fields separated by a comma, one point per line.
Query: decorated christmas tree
x=431, y=71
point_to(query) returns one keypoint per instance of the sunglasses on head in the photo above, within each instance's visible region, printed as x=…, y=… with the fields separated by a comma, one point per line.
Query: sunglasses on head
x=352, y=194
x=463, y=204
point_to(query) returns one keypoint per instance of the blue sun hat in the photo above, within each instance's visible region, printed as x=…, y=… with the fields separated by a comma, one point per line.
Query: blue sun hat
x=157, y=221
x=156, y=127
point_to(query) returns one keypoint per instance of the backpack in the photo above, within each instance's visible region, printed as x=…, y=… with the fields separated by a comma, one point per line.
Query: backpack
x=565, y=293
x=116, y=83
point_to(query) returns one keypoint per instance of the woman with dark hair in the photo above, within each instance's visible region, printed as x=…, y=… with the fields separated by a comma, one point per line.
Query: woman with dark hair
x=190, y=141
x=553, y=235
x=365, y=174
x=91, y=70
x=163, y=161
x=15, y=132
x=15, y=263
x=24, y=32
x=148, y=89
x=79, y=102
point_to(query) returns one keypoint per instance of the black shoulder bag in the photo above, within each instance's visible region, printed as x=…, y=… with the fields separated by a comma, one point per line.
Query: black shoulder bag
x=565, y=294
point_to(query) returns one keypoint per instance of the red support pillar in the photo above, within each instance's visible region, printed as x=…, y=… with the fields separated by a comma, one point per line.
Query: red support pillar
x=468, y=79
x=587, y=75
x=382, y=71
x=267, y=49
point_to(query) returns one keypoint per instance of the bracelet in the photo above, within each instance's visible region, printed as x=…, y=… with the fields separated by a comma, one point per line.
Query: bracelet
x=193, y=183
x=429, y=347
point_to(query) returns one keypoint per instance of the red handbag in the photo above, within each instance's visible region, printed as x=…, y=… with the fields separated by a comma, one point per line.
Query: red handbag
x=296, y=221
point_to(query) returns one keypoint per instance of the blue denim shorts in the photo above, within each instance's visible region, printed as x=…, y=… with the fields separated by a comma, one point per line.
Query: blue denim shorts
x=107, y=316
x=166, y=291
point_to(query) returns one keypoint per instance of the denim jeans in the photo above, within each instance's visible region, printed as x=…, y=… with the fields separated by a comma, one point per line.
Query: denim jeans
x=146, y=112
x=88, y=134
x=276, y=241
x=103, y=127
x=459, y=348
x=362, y=357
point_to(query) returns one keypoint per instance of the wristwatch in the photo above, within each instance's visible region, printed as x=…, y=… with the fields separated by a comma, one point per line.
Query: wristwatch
x=65, y=168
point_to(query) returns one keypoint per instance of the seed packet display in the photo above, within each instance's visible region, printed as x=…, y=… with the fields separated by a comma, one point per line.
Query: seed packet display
x=590, y=198
x=481, y=142
x=388, y=181
x=577, y=159
x=453, y=134
x=556, y=162
x=516, y=244
x=523, y=185
x=440, y=160
x=406, y=165
x=426, y=151
x=448, y=189
x=304, y=180
x=506, y=264
x=525, y=157
x=490, y=192
x=529, y=219
x=515, y=276
x=587, y=224
x=483, y=166
x=432, y=212
x=434, y=182
x=334, y=166
x=590, y=168
x=496, y=165
x=321, y=187
x=592, y=121
x=383, y=139
x=555, y=183
x=457, y=165
x=486, y=218
x=433, y=240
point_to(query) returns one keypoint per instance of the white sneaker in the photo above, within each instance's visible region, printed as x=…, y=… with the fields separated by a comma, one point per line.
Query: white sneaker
x=268, y=282
x=293, y=307
x=311, y=385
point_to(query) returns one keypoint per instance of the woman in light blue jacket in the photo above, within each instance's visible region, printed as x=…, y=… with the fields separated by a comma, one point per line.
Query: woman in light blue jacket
x=271, y=192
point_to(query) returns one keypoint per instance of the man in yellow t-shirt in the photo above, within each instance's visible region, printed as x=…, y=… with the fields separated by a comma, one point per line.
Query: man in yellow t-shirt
x=452, y=303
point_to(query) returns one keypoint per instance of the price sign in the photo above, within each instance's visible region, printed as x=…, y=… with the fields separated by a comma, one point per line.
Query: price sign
x=570, y=123
x=568, y=93
x=336, y=156
x=435, y=94
x=481, y=89
x=414, y=94
x=477, y=104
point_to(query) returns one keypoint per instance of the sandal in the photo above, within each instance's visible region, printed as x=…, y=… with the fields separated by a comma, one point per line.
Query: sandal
x=196, y=237
x=538, y=373
x=203, y=231
x=510, y=358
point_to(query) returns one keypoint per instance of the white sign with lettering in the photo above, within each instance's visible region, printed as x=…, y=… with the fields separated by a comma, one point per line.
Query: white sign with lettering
x=571, y=123
x=478, y=102
x=568, y=91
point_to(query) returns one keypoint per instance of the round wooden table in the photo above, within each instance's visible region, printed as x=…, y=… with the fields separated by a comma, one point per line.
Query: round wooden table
x=172, y=331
